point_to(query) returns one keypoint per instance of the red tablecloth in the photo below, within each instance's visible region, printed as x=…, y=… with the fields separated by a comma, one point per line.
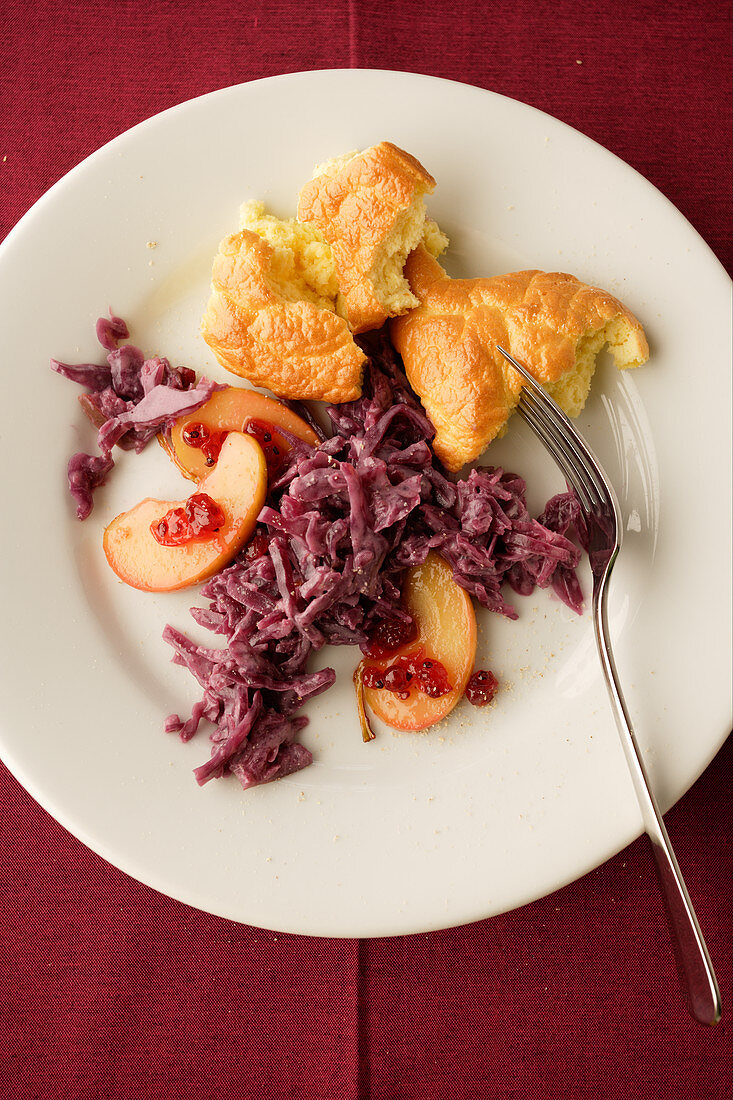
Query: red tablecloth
x=108, y=989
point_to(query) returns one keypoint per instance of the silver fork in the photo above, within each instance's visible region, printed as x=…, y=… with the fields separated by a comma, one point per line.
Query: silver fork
x=601, y=511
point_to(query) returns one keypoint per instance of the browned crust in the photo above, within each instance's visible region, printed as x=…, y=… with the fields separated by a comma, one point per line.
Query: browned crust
x=448, y=344
x=295, y=349
x=356, y=210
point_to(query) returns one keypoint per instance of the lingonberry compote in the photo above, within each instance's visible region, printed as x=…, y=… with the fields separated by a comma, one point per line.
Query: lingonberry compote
x=481, y=688
x=372, y=677
x=204, y=515
x=274, y=446
x=257, y=546
x=199, y=518
x=208, y=442
x=173, y=529
x=432, y=678
x=390, y=635
x=195, y=434
x=409, y=672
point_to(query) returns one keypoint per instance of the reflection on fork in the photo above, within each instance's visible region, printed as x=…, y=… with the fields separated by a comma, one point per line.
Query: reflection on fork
x=600, y=511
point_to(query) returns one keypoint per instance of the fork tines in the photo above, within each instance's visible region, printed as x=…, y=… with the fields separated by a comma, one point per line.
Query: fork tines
x=567, y=446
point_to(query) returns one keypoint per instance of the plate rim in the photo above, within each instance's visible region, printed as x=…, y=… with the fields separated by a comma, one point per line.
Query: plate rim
x=68, y=179
x=350, y=73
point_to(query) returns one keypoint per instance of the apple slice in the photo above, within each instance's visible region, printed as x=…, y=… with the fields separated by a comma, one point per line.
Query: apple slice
x=231, y=410
x=238, y=484
x=446, y=624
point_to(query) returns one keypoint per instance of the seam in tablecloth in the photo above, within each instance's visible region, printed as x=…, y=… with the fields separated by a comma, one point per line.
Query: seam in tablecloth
x=363, y=1090
x=353, y=46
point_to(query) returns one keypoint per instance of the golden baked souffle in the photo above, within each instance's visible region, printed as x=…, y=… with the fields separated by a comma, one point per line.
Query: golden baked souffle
x=551, y=322
x=370, y=208
x=271, y=317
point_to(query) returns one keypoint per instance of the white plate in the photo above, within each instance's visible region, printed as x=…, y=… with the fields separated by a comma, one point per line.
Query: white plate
x=414, y=832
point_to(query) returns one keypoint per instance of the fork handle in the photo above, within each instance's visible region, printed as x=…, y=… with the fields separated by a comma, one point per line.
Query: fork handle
x=695, y=968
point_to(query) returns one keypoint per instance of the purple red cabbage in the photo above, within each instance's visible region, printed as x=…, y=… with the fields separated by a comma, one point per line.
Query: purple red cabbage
x=130, y=399
x=110, y=330
x=341, y=525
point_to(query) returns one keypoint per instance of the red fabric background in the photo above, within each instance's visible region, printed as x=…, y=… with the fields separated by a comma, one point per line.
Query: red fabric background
x=108, y=989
